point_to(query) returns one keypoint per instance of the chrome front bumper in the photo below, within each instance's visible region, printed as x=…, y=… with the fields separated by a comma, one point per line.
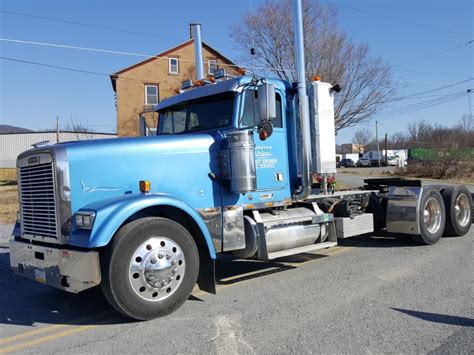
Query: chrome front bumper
x=68, y=270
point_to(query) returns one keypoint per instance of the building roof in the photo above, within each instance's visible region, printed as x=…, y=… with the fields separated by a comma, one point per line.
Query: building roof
x=115, y=75
x=4, y=128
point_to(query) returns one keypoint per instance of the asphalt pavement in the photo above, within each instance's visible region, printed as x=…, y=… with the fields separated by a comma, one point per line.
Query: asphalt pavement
x=371, y=294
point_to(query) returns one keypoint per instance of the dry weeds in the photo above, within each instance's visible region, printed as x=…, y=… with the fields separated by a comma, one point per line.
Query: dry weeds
x=8, y=203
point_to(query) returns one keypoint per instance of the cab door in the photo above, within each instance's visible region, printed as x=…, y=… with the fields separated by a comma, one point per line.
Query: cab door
x=271, y=154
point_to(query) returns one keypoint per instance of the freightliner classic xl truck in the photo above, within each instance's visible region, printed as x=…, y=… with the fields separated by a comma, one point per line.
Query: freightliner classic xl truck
x=241, y=165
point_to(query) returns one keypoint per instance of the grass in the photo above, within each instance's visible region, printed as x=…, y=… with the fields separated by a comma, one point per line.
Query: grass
x=8, y=202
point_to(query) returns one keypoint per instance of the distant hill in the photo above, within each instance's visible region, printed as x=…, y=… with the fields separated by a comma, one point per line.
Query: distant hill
x=4, y=128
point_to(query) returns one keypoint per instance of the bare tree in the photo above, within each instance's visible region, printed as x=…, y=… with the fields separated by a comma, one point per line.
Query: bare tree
x=362, y=138
x=366, y=82
x=397, y=140
x=466, y=123
x=422, y=134
x=81, y=131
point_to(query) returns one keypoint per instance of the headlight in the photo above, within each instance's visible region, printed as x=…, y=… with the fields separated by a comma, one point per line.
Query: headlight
x=84, y=219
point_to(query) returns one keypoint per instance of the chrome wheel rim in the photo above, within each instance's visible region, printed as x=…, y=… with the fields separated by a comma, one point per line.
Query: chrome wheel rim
x=157, y=269
x=462, y=210
x=432, y=215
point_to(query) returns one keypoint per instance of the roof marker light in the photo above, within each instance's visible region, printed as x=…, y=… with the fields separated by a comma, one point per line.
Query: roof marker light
x=186, y=84
x=219, y=73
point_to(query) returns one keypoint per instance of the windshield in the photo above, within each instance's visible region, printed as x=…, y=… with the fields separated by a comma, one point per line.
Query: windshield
x=197, y=115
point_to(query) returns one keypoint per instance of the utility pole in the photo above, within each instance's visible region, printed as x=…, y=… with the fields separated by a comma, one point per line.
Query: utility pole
x=470, y=108
x=386, y=150
x=377, y=138
x=57, y=129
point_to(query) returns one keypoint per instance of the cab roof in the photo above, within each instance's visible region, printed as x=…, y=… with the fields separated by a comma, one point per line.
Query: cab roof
x=223, y=86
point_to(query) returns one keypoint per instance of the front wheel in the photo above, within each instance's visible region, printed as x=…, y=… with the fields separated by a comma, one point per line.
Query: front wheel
x=150, y=269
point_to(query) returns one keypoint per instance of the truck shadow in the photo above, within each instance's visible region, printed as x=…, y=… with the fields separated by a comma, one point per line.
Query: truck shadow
x=25, y=302
x=379, y=240
x=438, y=318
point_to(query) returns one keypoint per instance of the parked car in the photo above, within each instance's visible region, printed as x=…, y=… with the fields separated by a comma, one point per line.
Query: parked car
x=347, y=163
x=364, y=162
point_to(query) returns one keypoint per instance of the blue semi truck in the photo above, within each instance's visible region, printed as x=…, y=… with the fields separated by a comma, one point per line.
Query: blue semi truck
x=241, y=165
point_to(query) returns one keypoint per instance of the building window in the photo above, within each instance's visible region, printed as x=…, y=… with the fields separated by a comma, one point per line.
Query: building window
x=173, y=66
x=212, y=65
x=151, y=94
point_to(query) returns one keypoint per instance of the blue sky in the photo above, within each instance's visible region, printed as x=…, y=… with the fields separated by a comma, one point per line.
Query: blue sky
x=32, y=96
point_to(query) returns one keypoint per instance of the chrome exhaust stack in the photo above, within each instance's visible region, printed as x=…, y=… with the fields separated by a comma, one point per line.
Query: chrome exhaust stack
x=198, y=51
x=303, y=104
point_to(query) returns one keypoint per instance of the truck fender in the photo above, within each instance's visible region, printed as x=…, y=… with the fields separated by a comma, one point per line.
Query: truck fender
x=111, y=213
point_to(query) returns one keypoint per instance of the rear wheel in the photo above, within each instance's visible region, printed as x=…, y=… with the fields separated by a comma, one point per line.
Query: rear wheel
x=432, y=217
x=458, y=203
x=150, y=269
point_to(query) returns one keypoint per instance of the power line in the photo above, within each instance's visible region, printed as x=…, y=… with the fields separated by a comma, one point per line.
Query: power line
x=432, y=90
x=400, y=20
x=109, y=51
x=428, y=72
x=54, y=66
x=115, y=29
x=417, y=107
x=89, y=25
x=436, y=54
x=69, y=69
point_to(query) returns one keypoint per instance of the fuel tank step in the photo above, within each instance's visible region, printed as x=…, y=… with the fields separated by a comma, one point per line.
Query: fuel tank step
x=299, y=250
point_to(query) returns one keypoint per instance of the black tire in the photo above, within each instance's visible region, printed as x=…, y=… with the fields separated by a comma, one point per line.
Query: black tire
x=431, y=233
x=117, y=259
x=458, y=219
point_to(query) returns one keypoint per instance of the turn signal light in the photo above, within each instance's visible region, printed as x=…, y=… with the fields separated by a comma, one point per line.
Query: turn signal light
x=144, y=186
x=241, y=71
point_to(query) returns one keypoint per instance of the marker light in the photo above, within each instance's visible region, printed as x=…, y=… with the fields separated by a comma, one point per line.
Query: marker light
x=144, y=186
x=241, y=71
x=85, y=219
x=219, y=73
x=316, y=78
x=186, y=84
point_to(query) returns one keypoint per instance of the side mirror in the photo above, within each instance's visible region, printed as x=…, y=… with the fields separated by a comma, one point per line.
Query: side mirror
x=267, y=102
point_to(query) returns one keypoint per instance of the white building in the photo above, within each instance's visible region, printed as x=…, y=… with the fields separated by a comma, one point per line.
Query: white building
x=12, y=144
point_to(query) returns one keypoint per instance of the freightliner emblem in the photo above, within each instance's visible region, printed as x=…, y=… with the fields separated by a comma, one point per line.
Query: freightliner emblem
x=34, y=160
x=86, y=188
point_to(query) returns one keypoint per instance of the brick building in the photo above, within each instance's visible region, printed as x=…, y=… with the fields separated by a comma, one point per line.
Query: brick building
x=142, y=85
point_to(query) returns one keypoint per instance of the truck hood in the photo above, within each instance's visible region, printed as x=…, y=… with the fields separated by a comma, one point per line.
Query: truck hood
x=178, y=165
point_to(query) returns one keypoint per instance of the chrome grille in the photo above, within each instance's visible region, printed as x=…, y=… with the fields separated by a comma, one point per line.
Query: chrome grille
x=38, y=202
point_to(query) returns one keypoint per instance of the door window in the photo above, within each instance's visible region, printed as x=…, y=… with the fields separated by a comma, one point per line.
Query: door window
x=251, y=114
